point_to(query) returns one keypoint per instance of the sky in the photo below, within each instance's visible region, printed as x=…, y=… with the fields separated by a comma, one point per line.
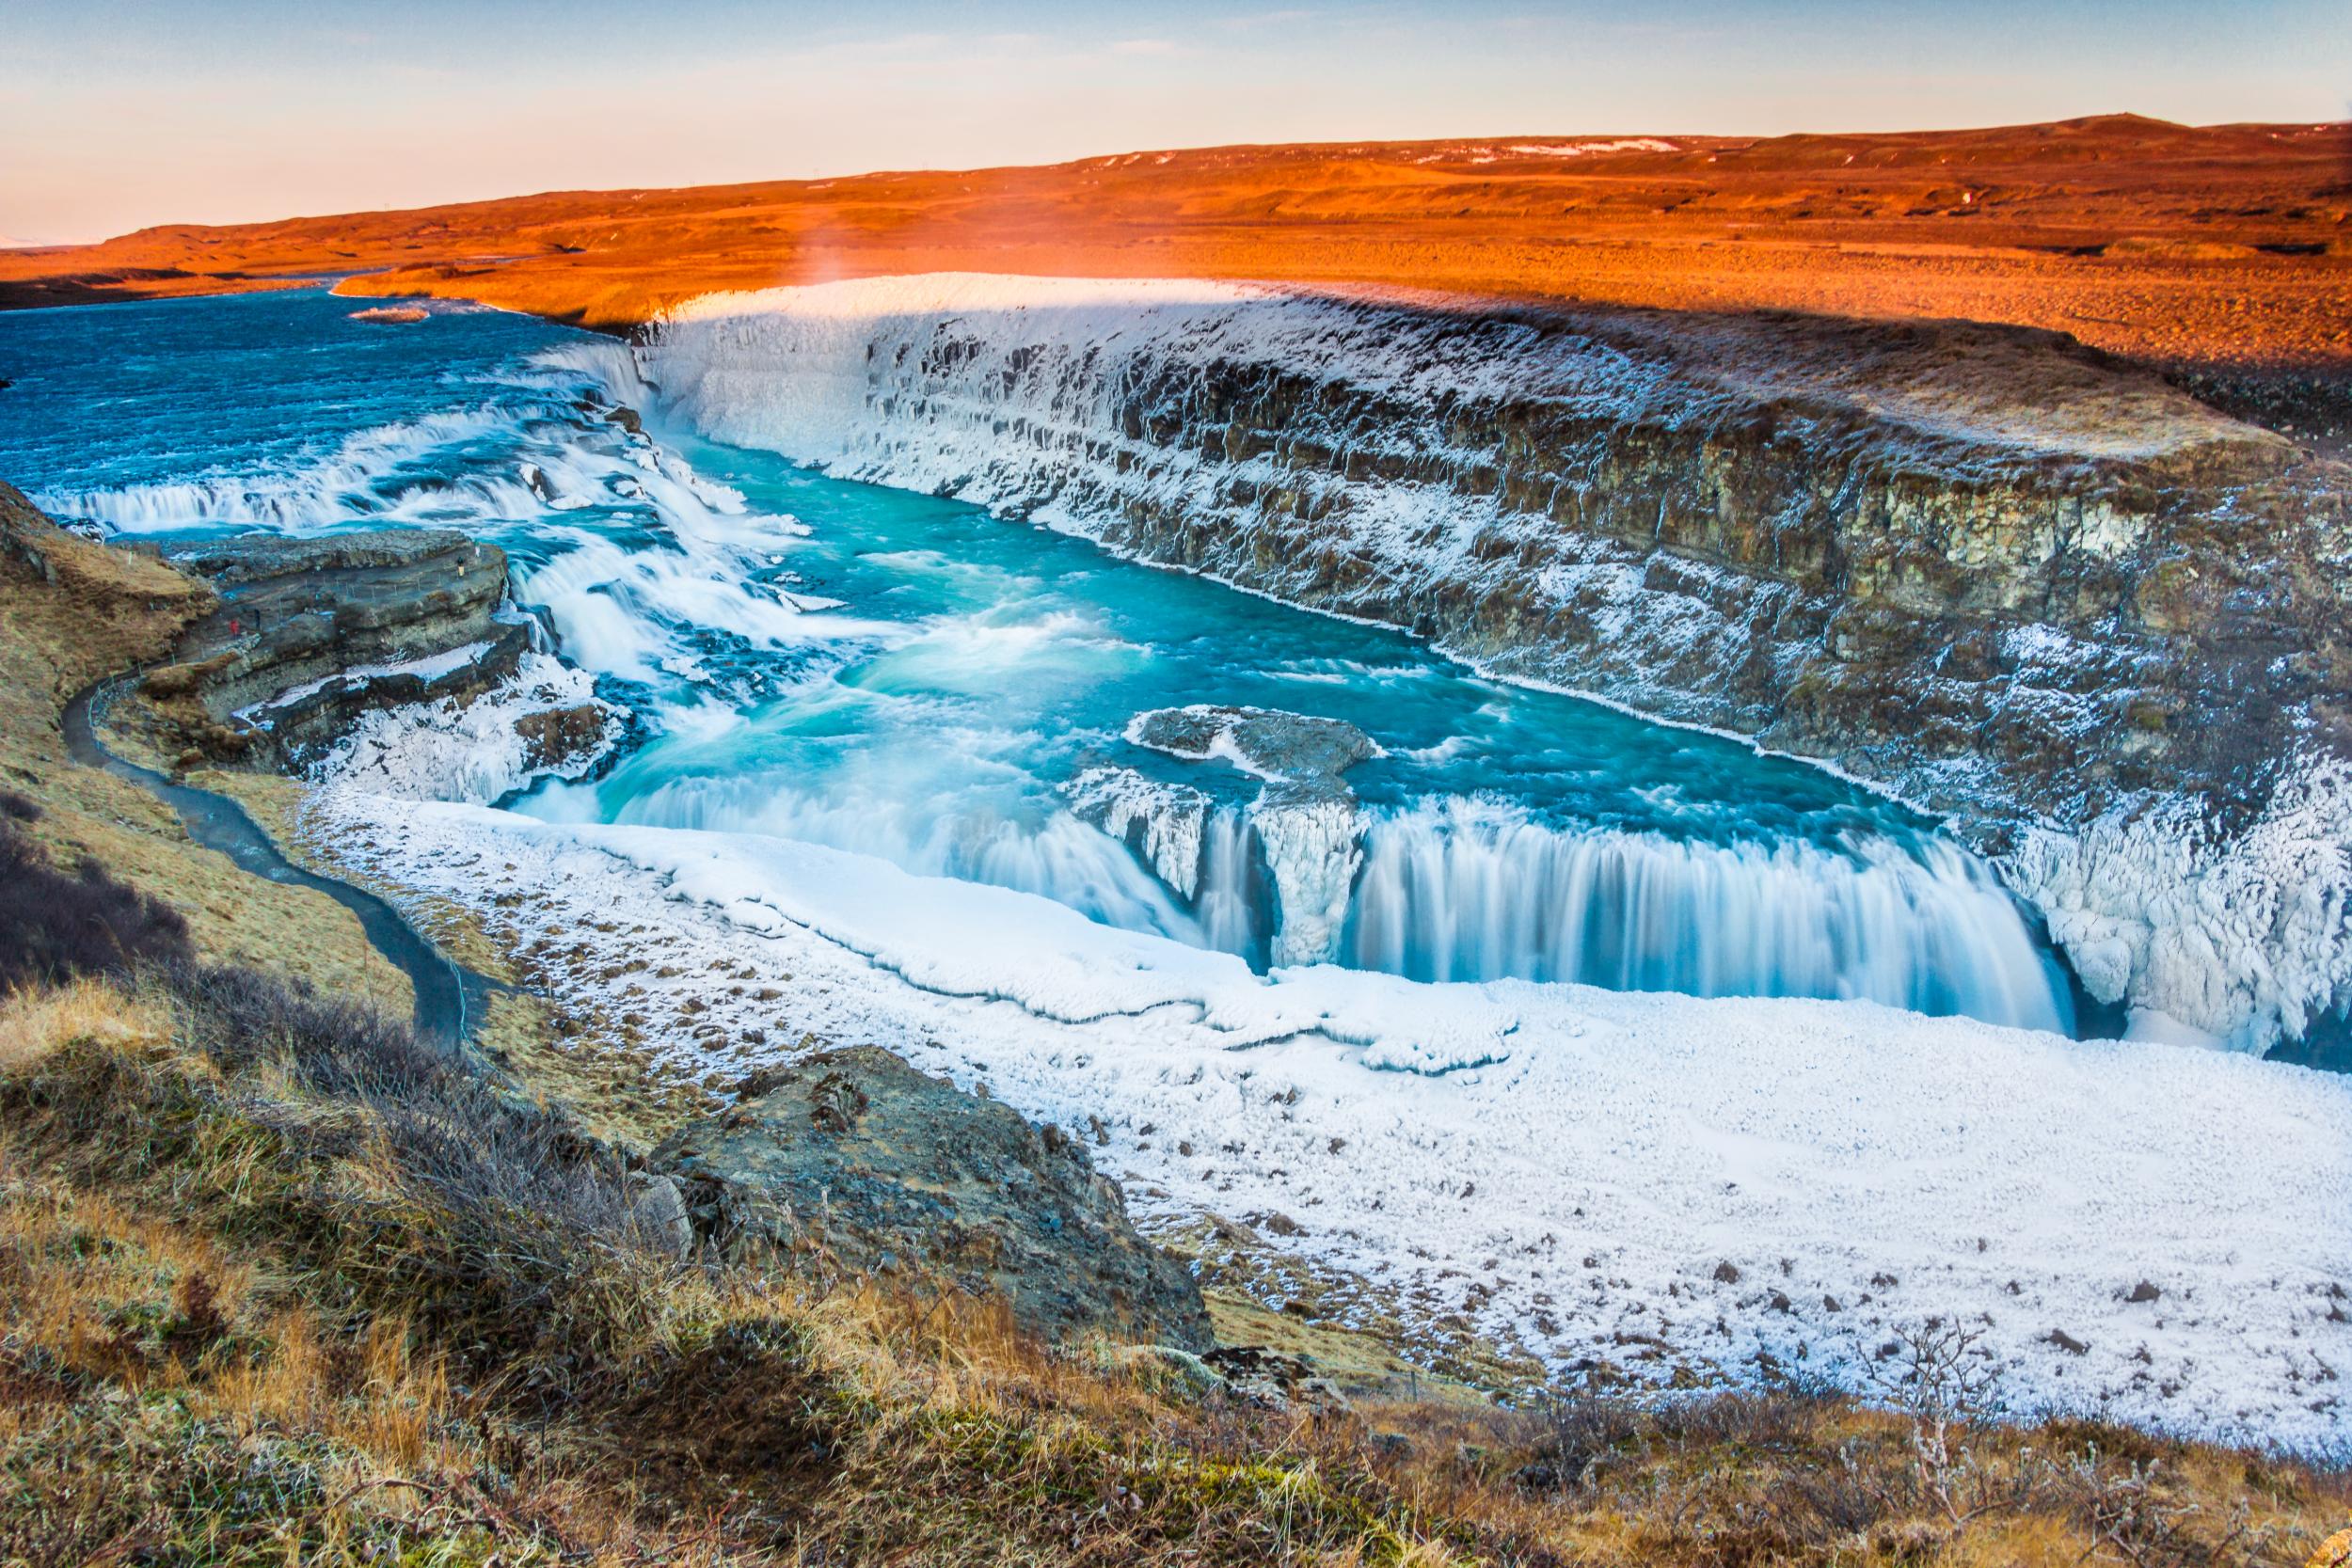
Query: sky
x=117, y=114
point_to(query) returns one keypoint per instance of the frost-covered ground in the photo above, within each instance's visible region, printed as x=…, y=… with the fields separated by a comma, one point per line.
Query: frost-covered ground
x=1568, y=1169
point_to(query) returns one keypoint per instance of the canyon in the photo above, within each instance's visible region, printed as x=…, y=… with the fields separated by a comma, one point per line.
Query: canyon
x=2095, y=621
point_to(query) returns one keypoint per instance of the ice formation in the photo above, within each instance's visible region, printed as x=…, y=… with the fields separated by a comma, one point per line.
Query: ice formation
x=1164, y=822
x=468, y=751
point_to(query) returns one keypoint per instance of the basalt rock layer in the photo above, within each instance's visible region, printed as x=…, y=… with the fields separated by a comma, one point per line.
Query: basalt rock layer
x=2100, y=623
x=310, y=634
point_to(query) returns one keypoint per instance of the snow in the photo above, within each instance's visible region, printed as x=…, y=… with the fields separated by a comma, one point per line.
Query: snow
x=2236, y=937
x=430, y=668
x=451, y=750
x=1586, y=148
x=1567, y=1167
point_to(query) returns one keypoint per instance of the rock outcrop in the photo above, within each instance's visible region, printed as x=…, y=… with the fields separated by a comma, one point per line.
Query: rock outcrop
x=1304, y=817
x=310, y=634
x=2100, y=623
x=850, y=1162
x=1266, y=741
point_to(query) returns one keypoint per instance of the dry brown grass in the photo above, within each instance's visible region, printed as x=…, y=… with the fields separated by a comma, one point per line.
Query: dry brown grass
x=34, y=1020
x=83, y=611
x=2221, y=245
x=250, y=1313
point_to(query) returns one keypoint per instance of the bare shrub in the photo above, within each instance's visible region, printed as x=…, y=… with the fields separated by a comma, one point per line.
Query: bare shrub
x=55, y=927
x=1943, y=1377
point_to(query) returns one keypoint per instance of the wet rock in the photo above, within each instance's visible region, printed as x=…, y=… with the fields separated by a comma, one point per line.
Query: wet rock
x=1266, y=741
x=1165, y=824
x=391, y=316
x=837, y=1162
x=626, y=418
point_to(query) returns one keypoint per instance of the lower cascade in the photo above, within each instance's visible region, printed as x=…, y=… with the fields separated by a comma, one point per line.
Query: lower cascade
x=1461, y=893
x=1467, y=890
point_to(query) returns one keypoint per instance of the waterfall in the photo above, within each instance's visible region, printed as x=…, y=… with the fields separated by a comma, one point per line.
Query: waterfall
x=1231, y=905
x=1475, y=890
x=1163, y=823
x=1468, y=891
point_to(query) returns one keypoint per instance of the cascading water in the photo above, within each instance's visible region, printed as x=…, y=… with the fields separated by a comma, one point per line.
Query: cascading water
x=1464, y=891
x=907, y=678
x=1476, y=890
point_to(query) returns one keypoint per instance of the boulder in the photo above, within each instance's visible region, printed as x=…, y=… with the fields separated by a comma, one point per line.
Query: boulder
x=852, y=1163
x=555, y=737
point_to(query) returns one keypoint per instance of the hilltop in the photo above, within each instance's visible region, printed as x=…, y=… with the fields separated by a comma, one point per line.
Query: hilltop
x=2185, y=246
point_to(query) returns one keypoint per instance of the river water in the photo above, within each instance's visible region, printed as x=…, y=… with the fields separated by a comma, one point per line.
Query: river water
x=913, y=679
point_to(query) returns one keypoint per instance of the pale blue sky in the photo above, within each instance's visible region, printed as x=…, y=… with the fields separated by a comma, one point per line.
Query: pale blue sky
x=120, y=113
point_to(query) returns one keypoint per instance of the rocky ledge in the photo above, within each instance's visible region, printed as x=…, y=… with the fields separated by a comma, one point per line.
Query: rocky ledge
x=851, y=1164
x=310, y=637
x=1304, y=815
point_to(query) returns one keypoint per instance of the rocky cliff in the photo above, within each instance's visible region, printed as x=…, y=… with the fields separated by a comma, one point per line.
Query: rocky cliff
x=2101, y=624
x=368, y=641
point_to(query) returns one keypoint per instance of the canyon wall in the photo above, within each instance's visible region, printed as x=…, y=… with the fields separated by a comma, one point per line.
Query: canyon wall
x=2096, y=622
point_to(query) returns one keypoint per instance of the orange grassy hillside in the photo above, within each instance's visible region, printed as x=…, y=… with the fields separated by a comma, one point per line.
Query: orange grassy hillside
x=2225, y=245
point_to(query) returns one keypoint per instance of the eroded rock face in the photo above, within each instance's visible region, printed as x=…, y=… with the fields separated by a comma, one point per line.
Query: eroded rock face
x=850, y=1162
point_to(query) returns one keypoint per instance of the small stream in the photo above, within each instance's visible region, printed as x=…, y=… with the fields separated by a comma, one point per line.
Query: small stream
x=449, y=999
